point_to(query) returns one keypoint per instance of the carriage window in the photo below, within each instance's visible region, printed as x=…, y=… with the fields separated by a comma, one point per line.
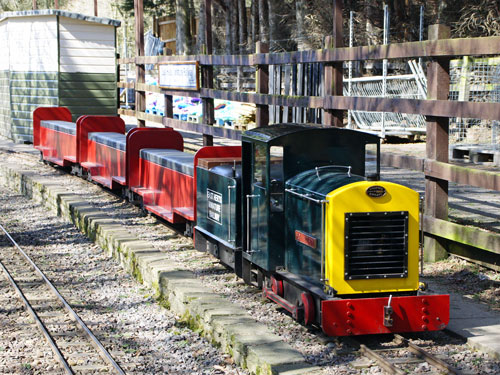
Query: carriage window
x=371, y=162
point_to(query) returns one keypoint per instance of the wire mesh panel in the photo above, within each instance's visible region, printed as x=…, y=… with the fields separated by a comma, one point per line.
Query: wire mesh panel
x=471, y=79
x=409, y=86
x=475, y=80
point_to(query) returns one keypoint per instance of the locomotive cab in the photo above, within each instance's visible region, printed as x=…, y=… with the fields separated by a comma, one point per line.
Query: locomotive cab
x=273, y=155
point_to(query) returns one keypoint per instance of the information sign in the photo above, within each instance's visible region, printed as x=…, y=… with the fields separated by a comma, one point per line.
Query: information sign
x=179, y=75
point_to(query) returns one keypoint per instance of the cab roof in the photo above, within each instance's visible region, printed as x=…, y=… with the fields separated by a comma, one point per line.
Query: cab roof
x=272, y=133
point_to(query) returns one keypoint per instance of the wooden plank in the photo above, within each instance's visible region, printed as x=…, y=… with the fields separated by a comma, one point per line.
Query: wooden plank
x=436, y=190
x=94, y=110
x=209, y=163
x=140, y=73
x=288, y=78
x=202, y=128
x=126, y=112
x=462, y=175
x=169, y=106
x=437, y=108
x=81, y=85
x=333, y=72
x=471, y=236
x=294, y=90
x=300, y=91
x=263, y=99
x=158, y=90
x=306, y=89
x=87, y=77
x=69, y=93
x=126, y=85
x=149, y=117
x=272, y=90
x=314, y=91
x=412, y=163
x=86, y=101
x=430, y=48
x=261, y=88
x=277, y=109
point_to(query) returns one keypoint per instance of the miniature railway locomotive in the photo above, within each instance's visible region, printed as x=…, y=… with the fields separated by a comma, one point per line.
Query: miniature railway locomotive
x=297, y=210
x=306, y=219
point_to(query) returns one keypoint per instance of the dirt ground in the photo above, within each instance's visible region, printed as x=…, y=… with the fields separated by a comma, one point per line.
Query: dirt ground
x=471, y=280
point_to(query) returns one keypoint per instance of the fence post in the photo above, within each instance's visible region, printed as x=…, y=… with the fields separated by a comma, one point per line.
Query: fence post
x=436, y=190
x=262, y=86
x=207, y=76
x=140, y=73
x=333, y=72
x=168, y=99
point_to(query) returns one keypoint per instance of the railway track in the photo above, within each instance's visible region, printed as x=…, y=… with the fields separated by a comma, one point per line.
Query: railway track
x=408, y=356
x=75, y=347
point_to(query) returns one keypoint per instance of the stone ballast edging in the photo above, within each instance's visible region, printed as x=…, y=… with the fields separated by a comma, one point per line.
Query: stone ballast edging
x=225, y=324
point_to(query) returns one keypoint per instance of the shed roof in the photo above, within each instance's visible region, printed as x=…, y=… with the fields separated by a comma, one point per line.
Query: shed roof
x=62, y=13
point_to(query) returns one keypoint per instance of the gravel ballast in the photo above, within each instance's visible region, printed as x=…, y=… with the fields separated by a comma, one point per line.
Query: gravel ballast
x=318, y=350
x=144, y=337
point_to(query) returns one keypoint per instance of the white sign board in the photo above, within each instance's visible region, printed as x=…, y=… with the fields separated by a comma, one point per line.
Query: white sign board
x=179, y=75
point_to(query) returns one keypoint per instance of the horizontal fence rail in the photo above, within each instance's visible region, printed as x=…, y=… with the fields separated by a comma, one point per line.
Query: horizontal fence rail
x=436, y=108
x=408, y=50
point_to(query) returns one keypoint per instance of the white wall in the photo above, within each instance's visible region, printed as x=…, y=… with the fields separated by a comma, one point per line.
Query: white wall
x=4, y=46
x=86, y=47
x=32, y=43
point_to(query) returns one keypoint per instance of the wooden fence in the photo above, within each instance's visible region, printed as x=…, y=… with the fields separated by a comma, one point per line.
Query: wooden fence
x=437, y=109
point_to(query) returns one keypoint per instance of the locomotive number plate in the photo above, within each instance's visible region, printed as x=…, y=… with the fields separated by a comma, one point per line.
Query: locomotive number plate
x=306, y=239
x=376, y=191
x=214, y=206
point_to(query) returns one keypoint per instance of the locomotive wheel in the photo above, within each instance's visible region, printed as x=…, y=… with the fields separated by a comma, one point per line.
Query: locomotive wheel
x=277, y=286
x=308, y=303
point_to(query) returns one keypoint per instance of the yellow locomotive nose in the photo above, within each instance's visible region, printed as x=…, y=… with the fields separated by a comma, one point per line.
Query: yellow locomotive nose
x=371, y=233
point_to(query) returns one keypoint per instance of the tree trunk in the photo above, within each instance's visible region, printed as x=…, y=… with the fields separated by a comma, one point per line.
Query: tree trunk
x=228, y=27
x=182, y=27
x=271, y=5
x=255, y=21
x=263, y=21
x=370, y=37
x=234, y=26
x=300, y=15
x=242, y=9
x=202, y=22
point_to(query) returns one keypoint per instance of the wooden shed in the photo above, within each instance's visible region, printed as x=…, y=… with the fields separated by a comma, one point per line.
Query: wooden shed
x=55, y=58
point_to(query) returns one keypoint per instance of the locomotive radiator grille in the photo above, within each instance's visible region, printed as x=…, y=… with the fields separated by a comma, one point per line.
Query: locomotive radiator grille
x=376, y=245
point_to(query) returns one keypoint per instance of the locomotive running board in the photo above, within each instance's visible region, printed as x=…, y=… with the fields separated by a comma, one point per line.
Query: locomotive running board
x=363, y=316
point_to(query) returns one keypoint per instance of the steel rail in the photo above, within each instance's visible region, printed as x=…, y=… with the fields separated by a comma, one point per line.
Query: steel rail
x=381, y=361
x=39, y=323
x=428, y=357
x=390, y=368
x=94, y=340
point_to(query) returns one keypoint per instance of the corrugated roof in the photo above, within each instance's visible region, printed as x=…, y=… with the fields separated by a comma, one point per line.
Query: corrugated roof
x=62, y=13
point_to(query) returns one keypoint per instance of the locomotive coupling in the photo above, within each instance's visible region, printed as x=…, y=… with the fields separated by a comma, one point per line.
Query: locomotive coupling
x=388, y=311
